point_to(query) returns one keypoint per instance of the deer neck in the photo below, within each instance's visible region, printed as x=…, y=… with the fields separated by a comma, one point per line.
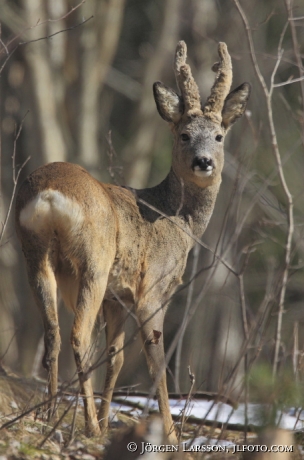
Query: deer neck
x=185, y=202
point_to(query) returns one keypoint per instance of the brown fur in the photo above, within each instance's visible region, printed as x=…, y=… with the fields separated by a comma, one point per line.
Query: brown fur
x=107, y=245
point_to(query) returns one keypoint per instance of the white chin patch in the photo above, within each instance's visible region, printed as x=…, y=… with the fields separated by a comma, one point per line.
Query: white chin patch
x=198, y=172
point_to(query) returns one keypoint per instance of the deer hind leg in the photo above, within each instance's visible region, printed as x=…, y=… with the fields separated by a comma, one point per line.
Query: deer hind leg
x=151, y=326
x=91, y=291
x=43, y=284
x=114, y=316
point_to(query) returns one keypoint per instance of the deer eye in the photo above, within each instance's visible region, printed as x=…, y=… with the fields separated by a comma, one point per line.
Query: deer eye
x=185, y=137
x=219, y=138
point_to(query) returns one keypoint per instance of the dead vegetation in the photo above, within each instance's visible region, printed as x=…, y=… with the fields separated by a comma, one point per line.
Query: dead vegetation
x=26, y=434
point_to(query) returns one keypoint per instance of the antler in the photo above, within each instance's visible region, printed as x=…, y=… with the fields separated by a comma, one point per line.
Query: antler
x=185, y=82
x=221, y=86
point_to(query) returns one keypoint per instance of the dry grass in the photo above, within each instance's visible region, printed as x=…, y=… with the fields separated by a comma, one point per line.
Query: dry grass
x=23, y=439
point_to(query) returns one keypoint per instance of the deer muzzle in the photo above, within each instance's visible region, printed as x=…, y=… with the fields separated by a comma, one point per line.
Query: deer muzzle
x=202, y=166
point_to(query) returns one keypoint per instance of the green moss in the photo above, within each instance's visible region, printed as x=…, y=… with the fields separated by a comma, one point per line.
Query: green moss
x=29, y=450
x=273, y=394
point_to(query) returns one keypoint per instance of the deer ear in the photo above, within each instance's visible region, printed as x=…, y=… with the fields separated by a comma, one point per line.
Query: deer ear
x=168, y=103
x=235, y=104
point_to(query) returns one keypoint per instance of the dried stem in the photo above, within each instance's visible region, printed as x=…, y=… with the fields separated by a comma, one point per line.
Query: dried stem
x=295, y=351
x=192, y=381
x=15, y=178
x=288, y=82
x=8, y=346
x=42, y=38
x=114, y=168
x=38, y=23
x=74, y=418
x=289, y=199
x=296, y=48
x=2, y=43
x=246, y=337
x=56, y=424
x=184, y=321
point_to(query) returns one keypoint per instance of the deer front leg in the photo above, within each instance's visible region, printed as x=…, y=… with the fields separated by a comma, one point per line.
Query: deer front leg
x=114, y=317
x=152, y=336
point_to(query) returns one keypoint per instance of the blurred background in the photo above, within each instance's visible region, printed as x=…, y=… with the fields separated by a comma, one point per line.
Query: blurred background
x=84, y=95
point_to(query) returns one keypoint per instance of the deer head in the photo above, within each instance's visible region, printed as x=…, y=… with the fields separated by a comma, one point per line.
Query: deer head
x=199, y=131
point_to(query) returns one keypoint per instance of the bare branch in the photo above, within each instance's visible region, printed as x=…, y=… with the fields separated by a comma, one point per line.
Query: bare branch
x=296, y=49
x=15, y=178
x=277, y=156
x=300, y=18
x=287, y=82
x=189, y=396
x=184, y=321
x=2, y=43
x=41, y=38
x=41, y=444
x=55, y=33
x=40, y=23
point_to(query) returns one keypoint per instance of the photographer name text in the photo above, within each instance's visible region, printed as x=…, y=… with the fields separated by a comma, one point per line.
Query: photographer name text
x=146, y=447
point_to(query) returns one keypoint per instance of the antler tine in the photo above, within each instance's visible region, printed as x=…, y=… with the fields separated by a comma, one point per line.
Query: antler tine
x=185, y=81
x=221, y=87
x=180, y=59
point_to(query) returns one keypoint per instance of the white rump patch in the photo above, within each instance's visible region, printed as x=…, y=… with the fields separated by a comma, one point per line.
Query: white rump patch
x=51, y=208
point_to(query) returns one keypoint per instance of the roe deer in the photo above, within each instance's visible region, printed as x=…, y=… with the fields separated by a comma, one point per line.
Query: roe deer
x=107, y=245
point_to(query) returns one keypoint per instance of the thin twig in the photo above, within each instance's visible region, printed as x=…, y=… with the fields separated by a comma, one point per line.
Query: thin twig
x=42, y=38
x=192, y=382
x=74, y=418
x=55, y=426
x=56, y=33
x=295, y=351
x=220, y=379
x=263, y=311
x=246, y=336
x=296, y=49
x=12, y=199
x=112, y=168
x=297, y=419
x=1, y=41
x=300, y=18
x=8, y=346
x=288, y=82
x=15, y=177
x=125, y=306
x=184, y=321
x=38, y=23
x=277, y=156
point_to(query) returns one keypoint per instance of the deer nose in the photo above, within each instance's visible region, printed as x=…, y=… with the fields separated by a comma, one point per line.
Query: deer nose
x=202, y=164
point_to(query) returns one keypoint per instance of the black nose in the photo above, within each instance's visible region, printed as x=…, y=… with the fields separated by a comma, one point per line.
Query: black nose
x=203, y=163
